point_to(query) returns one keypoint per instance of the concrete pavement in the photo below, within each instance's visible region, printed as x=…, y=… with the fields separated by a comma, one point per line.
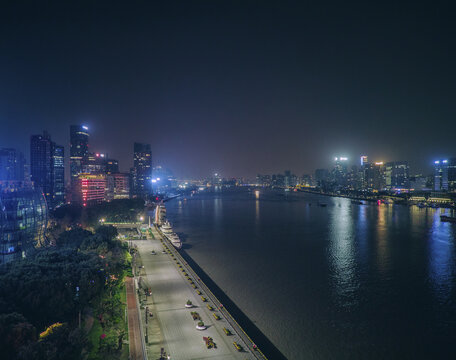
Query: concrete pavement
x=170, y=291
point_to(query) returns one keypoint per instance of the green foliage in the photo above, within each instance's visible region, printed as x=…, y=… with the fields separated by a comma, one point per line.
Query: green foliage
x=62, y=344
x=120, y=210
x=85, y=269
x=15, y=332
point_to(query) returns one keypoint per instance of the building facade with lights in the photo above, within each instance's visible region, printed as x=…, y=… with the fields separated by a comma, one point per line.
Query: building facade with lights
x=23, y=220
x=79, y=152
x=142, y=170
x=441, y=175
x=47, y=168
x=117, y=186
x=397, y=176
x=91, y=189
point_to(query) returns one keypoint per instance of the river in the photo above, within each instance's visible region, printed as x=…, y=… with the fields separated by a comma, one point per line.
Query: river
x=345, y=281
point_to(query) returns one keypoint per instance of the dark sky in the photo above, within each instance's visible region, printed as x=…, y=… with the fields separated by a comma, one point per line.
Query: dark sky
x=238, y=87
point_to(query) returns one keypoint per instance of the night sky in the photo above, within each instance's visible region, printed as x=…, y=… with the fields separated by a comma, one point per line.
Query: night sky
x=238, y=87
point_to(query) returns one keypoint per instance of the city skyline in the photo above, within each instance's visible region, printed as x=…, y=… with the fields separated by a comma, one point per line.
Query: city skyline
x=234, y=88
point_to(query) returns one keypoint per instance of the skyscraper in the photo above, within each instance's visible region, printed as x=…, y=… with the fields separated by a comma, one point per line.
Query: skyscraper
x=441, y=175
x=397, y=175
x=79, y=152
x=142, y=169
x=41, y=164
x=58, y=175
x=47, y=168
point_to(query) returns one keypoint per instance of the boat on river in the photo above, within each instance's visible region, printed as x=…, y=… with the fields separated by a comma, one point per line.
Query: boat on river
x=446, y=218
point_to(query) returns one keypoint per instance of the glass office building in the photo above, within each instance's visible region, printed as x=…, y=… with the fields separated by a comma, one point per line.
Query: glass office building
x=23, y=221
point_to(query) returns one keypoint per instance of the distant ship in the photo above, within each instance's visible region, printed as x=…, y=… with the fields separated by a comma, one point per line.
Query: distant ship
x=447, y=218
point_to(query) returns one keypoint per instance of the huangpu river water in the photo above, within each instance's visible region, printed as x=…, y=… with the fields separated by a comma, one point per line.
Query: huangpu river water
x=344, y=281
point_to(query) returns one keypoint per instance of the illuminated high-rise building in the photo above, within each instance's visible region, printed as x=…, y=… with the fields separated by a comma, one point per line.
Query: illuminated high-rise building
x=397, y=175
x=79, y=149
x=441, y=175
x=339, y=172
x=364, y=160
x=452, y=174
x=41, y=164
x=373, y=177
x=58, y=175
x=47, y=168
x=142, y=170
x=79, y=152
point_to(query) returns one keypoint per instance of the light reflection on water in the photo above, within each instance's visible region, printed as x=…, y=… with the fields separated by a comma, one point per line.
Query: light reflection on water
x=348, y=279
x=441, y=258
x=342, y=251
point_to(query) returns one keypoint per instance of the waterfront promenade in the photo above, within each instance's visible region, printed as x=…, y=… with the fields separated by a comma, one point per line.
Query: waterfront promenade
x=170, y=290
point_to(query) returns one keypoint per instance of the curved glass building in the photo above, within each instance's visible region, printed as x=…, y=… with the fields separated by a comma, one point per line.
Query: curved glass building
x=23, y=222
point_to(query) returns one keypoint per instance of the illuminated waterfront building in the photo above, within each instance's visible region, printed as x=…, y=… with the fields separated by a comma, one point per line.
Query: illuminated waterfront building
x=441, y=175
x=452, y=174
x=339, y=172
x=373, y=176
x=397, y=176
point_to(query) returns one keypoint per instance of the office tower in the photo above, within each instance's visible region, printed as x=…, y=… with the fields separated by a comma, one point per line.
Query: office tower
x=452, y=174
x=79, y=150
x=142, y=174
x=41, y=164
x=340, y=172
x=12, y=165
x=58, y=175
x=397, y=175
x=374, y=176
x=441, y=175
x=94, y=164
x=364, y=160
x=47, y=168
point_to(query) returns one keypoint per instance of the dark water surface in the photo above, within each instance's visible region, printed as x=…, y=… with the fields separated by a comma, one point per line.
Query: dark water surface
x=344, y=281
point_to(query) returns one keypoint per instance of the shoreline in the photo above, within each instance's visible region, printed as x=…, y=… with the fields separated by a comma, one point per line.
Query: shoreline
x=244, y=324
x=262, y=341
